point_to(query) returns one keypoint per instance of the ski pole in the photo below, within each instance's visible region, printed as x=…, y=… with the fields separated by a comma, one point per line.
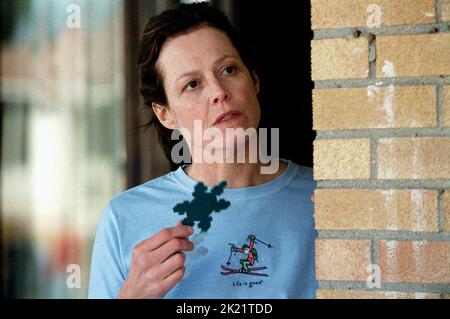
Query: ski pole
x=268, y=245
x=229, y=258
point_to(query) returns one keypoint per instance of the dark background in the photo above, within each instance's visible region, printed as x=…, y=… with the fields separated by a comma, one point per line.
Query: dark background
x=280, y=34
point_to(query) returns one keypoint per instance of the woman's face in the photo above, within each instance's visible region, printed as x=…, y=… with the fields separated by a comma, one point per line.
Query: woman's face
x=204, y=77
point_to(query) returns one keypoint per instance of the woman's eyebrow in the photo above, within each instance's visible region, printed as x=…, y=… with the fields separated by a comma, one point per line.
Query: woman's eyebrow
x=190, y=73
x=186, y=74
x=226, y=56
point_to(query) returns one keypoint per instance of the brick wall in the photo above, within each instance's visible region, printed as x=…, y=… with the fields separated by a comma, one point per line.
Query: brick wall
x=381, y=109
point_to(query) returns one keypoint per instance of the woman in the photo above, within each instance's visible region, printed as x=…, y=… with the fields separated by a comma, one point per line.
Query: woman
x=245, y=234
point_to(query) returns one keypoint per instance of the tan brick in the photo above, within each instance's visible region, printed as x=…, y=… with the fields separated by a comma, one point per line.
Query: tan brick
x=329, y=14
x=415, y=261
x=446, y=115
x=342, y=259
x=393, y=209
x=446, y=199
x=342, y=159
x=413, y=55
x=355, y=294
x=339, y=59
x=445, y=10
x=374, y=107
x=414, y=158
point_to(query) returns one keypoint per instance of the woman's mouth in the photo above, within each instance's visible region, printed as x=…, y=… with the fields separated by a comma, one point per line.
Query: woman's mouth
x=228, y=118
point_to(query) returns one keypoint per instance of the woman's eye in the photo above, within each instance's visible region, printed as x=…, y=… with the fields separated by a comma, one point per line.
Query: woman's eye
x=229, y=69
x=191, y=85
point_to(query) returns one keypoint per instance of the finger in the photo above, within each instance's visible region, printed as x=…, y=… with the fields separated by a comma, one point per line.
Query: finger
x=170, y=281
x=180, y=223
x=171, y=247
x=171, y=264
x=163, y=236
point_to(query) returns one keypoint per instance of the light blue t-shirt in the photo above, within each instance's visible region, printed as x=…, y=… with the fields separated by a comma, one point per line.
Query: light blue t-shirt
x=260, y=246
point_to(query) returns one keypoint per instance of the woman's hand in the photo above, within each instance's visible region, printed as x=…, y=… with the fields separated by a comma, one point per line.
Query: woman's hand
x=158, y=263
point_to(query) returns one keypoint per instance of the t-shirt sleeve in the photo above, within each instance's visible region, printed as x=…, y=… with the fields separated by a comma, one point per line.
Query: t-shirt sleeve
x=107, y=275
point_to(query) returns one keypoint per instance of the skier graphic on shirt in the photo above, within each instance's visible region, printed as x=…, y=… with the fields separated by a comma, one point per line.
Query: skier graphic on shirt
x=251, y=256
x=250, y=251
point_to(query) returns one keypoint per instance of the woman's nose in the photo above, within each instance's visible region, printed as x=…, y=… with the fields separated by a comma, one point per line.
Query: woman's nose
x=220, y=98
x=219, y=93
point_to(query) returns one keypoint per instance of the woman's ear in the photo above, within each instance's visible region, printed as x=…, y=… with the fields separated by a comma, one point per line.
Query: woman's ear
x=255, y=81
x=165, y=117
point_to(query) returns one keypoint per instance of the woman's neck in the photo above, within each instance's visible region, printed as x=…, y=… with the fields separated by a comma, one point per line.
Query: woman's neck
x=237, y=175
x=247, y=171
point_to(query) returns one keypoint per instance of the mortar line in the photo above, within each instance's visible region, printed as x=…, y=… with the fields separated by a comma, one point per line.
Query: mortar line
x=372, y=56
x=395, y=287
x=383, y=133
x=383, y=235
x=410, y=29
x=440, y=105
x=381, y=82
x=438, y=6
x=373, y=158
x=440, y=208
x=384, y=184
x=374, y=253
